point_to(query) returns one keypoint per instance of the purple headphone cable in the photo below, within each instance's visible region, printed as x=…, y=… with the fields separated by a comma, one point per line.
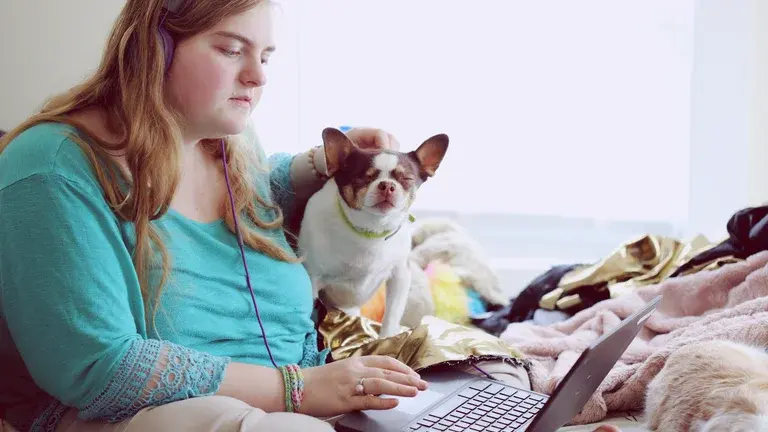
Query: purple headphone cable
x=242, y=252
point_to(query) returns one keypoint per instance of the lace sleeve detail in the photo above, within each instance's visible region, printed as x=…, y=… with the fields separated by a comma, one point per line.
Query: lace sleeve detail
x=312, y=357
x=155, y=373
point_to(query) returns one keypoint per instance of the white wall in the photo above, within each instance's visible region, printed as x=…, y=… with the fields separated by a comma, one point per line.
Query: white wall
x=47, y=46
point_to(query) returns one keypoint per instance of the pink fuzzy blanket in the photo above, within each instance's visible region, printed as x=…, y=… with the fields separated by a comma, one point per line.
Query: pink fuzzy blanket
x=728, y=303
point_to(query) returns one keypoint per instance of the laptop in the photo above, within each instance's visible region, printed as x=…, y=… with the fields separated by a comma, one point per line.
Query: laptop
x=457, y=401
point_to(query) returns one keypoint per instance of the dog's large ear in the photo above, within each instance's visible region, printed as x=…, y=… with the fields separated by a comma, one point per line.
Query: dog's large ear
x=337, y=147
x=430, y=153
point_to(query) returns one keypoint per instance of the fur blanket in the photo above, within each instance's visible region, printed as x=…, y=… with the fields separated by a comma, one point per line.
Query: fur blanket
x=728, y=303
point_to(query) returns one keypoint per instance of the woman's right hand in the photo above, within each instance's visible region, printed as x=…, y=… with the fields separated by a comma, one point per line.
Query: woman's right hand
x=330, y=389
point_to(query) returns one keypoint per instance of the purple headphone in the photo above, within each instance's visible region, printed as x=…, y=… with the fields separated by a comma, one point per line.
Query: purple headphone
x=174, y=6
x=165, y=37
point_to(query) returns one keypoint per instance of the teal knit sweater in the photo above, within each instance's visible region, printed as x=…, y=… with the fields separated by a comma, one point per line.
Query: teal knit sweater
x=73, y=330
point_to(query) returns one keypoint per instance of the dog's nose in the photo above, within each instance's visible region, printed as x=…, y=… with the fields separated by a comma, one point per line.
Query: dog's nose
x=386, y=188
x=386, y=185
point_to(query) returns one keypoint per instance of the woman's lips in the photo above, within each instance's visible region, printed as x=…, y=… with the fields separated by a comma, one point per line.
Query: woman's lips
x=244, y=102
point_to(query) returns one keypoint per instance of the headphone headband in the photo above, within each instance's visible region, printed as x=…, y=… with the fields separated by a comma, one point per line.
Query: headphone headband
x=174, y=5
x=165, y=38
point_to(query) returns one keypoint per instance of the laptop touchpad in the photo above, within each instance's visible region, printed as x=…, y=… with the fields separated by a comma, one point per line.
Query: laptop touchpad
x=413, y=405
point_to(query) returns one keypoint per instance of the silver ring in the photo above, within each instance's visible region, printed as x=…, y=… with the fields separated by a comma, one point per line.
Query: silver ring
x=359, y=389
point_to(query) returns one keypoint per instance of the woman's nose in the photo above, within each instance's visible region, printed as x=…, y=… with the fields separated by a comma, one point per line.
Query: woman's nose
x=254, y=75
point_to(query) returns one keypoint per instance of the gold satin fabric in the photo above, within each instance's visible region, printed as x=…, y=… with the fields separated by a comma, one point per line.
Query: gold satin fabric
x=433, y=342
x=643, y=261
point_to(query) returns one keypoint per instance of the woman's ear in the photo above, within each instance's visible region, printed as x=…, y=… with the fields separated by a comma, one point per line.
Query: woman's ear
x=337, y=147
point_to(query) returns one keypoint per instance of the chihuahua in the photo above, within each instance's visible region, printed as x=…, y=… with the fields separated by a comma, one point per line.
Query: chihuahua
x=356, y=231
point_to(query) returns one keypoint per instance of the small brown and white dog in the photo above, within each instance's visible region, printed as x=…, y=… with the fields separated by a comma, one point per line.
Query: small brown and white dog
x=356, y=230
x=716, y=386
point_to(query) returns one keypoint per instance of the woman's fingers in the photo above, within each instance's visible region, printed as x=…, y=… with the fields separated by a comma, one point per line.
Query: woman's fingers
x=374, y=403
x=381, y=386
x=398, y=378
x=396, y=384
x=393, y=144
x=372, y=138
x=389, y=363
x=386, y=376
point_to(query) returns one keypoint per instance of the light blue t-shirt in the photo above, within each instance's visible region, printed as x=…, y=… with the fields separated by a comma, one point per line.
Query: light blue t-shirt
x=73, y=330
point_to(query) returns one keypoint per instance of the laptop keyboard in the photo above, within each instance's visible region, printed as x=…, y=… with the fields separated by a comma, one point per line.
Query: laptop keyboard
x=483, y=406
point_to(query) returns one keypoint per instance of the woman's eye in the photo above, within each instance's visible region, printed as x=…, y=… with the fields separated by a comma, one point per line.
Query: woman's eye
x=230, y=53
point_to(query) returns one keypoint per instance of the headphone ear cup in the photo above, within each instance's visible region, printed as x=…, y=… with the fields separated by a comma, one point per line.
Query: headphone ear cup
x=168, y=47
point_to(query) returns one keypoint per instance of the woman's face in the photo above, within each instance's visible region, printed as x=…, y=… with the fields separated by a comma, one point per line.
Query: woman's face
x=217, y=77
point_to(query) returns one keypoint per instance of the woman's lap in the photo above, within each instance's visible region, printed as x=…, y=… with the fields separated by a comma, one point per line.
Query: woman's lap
x=203, y=414
x=224, y=414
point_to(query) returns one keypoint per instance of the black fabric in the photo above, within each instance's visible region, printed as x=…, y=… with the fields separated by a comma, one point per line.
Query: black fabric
x=525, y=304
x=747, y=235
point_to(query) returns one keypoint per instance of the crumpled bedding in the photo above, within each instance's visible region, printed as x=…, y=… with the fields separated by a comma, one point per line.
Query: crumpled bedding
x=730, y=302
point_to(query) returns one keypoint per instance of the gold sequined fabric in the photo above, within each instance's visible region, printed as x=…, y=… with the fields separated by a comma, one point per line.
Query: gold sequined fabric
x=643, y=261
x=433, y=342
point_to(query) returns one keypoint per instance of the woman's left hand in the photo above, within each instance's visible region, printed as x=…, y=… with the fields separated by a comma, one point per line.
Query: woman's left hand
x=372, y=138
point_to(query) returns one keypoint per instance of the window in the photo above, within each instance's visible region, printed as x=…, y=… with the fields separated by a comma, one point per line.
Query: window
x=570, y=122
x=552, y=108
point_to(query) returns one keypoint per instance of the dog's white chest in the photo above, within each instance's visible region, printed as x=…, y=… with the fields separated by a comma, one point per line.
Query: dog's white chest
x=347, y=266
x=352, y=274
x=361, y=262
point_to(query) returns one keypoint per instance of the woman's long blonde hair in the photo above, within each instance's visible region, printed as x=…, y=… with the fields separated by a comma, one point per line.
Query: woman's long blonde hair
x=128, y=87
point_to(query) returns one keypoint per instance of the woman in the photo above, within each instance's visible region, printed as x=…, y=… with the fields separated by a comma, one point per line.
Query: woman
x=124, y=300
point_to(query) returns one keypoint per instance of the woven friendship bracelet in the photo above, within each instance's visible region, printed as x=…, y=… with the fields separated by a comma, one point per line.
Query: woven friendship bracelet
x=297, y=390
x=297, y=386
x=293, y=381
x=287, y=389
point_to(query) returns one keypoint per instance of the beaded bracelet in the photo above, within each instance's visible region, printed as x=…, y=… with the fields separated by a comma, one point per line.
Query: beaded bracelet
x=293, y=381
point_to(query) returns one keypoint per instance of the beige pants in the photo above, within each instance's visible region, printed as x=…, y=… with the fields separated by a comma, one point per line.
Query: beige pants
x=203, y=414
x=224, y=414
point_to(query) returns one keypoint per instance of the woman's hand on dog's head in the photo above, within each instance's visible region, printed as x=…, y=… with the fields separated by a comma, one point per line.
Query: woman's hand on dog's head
x=372, y=138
